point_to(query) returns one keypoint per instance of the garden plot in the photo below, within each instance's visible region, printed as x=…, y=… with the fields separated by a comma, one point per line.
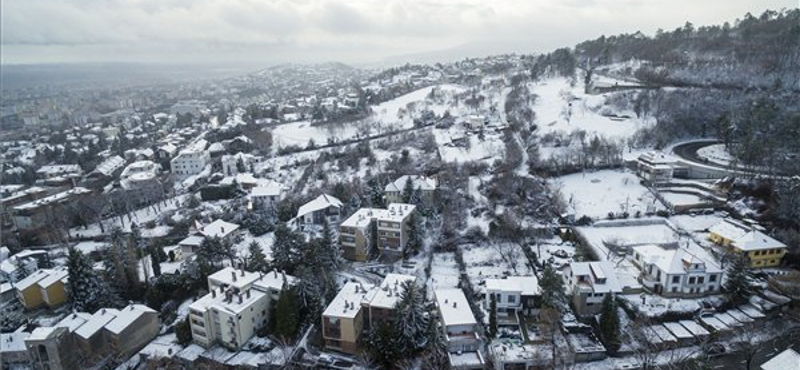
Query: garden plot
x=554, y=251
x=596, y=194
x=444, y=271
x=654, y=306
x=495, y=260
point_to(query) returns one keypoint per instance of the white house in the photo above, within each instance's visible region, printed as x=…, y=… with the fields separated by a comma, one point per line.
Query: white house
x=513, y=295
x=655, y=167
x=217, y=229
x=588, y=283
x=459, y=328
x=316, y=212
x=266, y=195
x=675, y=272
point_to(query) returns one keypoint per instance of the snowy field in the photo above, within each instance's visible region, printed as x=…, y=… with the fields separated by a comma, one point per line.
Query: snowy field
x=587, y=112
x=595, y=194
x=444, y=271
x=139, y=217
x=387, y=116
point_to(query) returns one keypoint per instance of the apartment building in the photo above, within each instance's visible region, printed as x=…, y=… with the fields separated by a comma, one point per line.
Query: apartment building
x=760, y=249
x=81, y=340
x=44, y=287
x=460, y=330
x=237, y=306
x=190, y=161
x=44, y=211
x=359, y=307
x=675, y=272
x=588, y=283
x=384, y=229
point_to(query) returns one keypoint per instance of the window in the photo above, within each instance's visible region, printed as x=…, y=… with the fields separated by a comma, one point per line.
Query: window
x=676, y=279
x=712, y=278
x=512, y=299
x=691, y=280
x=674, y=289
x=701, y=279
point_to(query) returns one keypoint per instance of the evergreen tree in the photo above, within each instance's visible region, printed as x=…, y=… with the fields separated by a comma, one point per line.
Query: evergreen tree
x=85, y=291
x=286, y=313
x=376, y=194
x=552, y=288
x=380, y=345
x=183, y=331
x=411, y=321
x=737, y=286
x=492, y=317
x=408, y=190
x=331, y=250
x=240, y=166
x=609, y=324
x=155, y=261
x=287, y=250
x=256, y=261
x=121, y=265
x=415, y=234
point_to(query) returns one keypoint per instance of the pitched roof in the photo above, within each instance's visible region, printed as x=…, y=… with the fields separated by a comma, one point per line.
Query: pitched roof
x=126, y=317
x=321, y=202
x=219, y=229
x=788, y=359
x=423, y=183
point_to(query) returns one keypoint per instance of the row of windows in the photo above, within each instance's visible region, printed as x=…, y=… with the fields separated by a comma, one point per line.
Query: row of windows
x=767, y=252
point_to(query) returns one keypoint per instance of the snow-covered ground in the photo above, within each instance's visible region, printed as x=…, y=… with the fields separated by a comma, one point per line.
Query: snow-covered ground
x=595, y=194
x=444, y=271
x=557, y=101
x=716, y=153
x=487, y=261
x=139, y=217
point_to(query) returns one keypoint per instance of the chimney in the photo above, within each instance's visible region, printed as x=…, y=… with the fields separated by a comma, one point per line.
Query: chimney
x=455, y=305
x=213, y=293
x=239, y=298
x=242, y=271
x=233, y=275
x=248, y=293
x=274, y=274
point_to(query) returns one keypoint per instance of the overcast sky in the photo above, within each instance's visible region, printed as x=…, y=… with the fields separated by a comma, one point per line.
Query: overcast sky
x=351, y=31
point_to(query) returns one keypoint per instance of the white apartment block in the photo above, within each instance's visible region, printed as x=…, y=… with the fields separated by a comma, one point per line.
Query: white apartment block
x=459, y=328
x=237, y=306
x=386, y=229
x=190, y=161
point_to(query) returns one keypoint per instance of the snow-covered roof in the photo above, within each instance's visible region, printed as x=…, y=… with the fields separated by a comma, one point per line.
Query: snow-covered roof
x=192, y=240
x=74, y=321
x=13, y=342
x=216, y=148
x=231, y=277
x=673, y=260
x=693, y=327
x=100, y=318
x=126, y=317
x=752, y=311
x=219, y=229
x=788, y=359
x=454, y=307
x=32, y=279
x=55, y=198
x=347, y=302
x=396, y=212
x=745, y=237
x=191, y=353
x=41, y=333
x=54, y=276
x=59, y=169
x=238, y=302
x=270, y=188
x=110, y=165
x=140, y=171
x=319, y=203
x=656, y=158
x=362, y=218
x=602, y=277
x=273, y=281
x=388, y=293
x=525, y=285
x=678, y=330
x=423, y=183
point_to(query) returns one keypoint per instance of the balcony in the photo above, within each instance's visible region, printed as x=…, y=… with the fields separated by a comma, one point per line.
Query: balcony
x=649, y=282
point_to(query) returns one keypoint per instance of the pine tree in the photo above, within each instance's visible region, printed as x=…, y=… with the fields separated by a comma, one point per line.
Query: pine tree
x=376, y=195
x=85, y=291
x=408, y=190
x=256, y=261
x=287, y=249
x=288, y=321
x=415, y=234
x=332, y=251
x=411, y=321
x=552, y=288
x=121, y=265
x=609, y=325
x=240, y=166
x=492, y=316
x=381, y=346
x=737, y=285
x=155, y=261
x=183, y=331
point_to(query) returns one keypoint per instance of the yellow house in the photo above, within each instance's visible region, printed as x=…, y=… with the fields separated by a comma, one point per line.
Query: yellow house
x=53, y=288
x=759, y=248
x=43, y=287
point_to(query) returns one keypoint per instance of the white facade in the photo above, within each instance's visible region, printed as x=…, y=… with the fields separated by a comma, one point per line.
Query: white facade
x=512, y=293
x=459, y=327
x=676, y=271
x=191, y=161
x=588, y=283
